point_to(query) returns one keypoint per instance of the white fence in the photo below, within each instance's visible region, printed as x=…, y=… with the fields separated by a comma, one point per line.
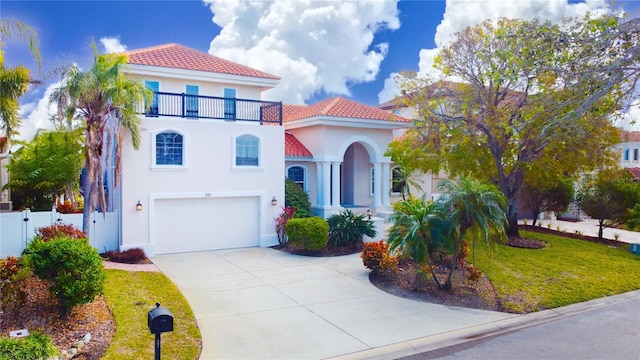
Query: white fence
x=17, y=229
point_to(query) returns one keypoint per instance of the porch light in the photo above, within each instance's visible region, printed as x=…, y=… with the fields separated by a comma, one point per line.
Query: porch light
x=369, y=213
x=138, y=206
x=274, y=201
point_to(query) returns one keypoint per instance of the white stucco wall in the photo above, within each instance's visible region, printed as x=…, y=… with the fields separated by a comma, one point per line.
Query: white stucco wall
x=178, y=86
x=209, y=169
x=631, y=146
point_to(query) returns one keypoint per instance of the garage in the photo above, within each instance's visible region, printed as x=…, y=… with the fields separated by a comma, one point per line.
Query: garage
x=210, y=223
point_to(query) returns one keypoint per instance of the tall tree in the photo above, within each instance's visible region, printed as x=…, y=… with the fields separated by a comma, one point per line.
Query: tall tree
x=530, y=95
x=14, y=81
x=108, y=102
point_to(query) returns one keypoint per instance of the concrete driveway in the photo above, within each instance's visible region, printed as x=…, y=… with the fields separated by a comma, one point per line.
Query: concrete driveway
x=260, y=303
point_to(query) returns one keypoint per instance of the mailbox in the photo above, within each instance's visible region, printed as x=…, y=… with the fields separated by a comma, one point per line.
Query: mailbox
x=160, y=320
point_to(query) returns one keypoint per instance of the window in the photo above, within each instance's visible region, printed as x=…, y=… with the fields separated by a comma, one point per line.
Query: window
x=635, y=154
x=230, y=104
x=153, y=107
x=297, y=174
x=191, y=101
x=169, y=146
x=397, y=184
x=625, y=155
x=247, y=150
x=372, y=183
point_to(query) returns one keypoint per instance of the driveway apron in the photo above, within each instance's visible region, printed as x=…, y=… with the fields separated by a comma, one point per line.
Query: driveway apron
x=260, y=303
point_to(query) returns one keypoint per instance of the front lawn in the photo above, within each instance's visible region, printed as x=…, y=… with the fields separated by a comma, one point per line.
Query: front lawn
x=130, y=296
x=568, y=271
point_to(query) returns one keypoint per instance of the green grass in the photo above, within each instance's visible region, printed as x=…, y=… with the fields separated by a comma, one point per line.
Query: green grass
x=130, y=296
x=568, y=271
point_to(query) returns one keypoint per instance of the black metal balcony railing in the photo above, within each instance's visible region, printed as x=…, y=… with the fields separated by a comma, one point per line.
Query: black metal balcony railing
x=211, y=107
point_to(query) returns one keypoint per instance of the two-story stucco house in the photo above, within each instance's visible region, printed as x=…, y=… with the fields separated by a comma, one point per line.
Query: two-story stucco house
x=210, y=170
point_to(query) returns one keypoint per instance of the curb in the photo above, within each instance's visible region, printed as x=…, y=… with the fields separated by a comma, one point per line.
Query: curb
x=443, y=340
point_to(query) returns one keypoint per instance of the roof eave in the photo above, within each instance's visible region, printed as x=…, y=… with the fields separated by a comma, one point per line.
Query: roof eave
x=175, y=73
x=346, y=122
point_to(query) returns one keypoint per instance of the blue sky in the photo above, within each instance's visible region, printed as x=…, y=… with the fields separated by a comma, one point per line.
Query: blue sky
x=319, y=48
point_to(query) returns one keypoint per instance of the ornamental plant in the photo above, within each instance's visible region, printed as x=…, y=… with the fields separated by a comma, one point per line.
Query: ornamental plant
x=281, y=222
x=347, y=228
x=11, y=277
x=375, y=256
x=33, y=347
x=311, y=233
x=72, y=266
x=295, y=196
x=47, y=233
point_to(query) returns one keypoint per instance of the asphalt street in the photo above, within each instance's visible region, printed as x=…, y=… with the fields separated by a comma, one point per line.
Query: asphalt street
x=610, y=332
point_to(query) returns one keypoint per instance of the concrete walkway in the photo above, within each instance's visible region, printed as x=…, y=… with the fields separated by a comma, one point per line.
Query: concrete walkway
x=589, y=227
x=260, y=303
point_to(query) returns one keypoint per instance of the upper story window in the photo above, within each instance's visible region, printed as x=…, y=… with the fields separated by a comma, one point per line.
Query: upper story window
x=397, y=183
x=625, y=154
x=169, y=148
x=298, y=175
x=191, y=101
x=247, y=150
x=635, y=154
x=153, y=107
x=230, y=103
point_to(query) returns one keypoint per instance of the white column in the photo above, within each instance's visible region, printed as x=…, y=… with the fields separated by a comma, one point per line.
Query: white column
x=377, y=182
x=319, y=186
x=385, y=184
x=326, y=183
x=335, y=184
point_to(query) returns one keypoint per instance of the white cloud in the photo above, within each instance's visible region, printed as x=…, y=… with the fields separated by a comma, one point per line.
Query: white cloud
x=112, y=45
x=313, y=45
x=460, y=14
x=36, y=115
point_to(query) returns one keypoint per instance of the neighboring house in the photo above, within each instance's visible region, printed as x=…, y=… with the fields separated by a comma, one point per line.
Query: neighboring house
x=629, y=149
x=213, y=156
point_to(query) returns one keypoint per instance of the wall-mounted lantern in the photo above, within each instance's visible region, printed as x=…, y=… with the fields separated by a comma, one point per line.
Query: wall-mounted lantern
x=369, y=213
x=138, y=206
x=274, y=201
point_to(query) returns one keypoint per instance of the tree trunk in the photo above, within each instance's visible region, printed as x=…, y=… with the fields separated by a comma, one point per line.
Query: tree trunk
x=600, y=228
x=87, y=186
x=512, y=216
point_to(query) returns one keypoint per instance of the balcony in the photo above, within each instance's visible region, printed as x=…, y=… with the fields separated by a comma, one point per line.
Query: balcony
x=218, y=108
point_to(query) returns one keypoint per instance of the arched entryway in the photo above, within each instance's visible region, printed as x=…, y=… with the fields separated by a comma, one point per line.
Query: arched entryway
x=356, y=182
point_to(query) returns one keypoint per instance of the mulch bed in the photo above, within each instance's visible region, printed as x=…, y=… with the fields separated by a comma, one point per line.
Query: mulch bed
x=328, y=251
x=39, y=312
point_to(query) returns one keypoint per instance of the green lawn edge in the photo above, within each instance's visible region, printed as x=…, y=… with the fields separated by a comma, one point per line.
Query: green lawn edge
x=568, y=271
x=130, y=296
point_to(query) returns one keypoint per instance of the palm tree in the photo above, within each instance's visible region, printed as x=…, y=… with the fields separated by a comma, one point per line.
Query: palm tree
x=108, y=102
x=478, y=210
x=404, y=179
x=14, y=82
x=420, y=229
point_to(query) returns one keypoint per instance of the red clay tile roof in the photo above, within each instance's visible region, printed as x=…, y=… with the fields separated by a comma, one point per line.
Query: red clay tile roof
x=635, y=172
x=294, y=148
x=342, y=108
x=629, y=136
x=181, y=57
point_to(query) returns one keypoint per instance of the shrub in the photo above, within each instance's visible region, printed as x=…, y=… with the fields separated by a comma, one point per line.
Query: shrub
x=281, y=223
x=375, y=256
x=66, y=208
x=33, y=347
x=130, y=256
x=311, y=233
x=72, y=266
x=11, y=277
x=464, y=252
x=347, y=228
x=295, y=196
x=47, y=233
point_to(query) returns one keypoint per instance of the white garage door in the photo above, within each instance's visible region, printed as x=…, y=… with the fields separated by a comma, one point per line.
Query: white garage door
x=183, y=225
